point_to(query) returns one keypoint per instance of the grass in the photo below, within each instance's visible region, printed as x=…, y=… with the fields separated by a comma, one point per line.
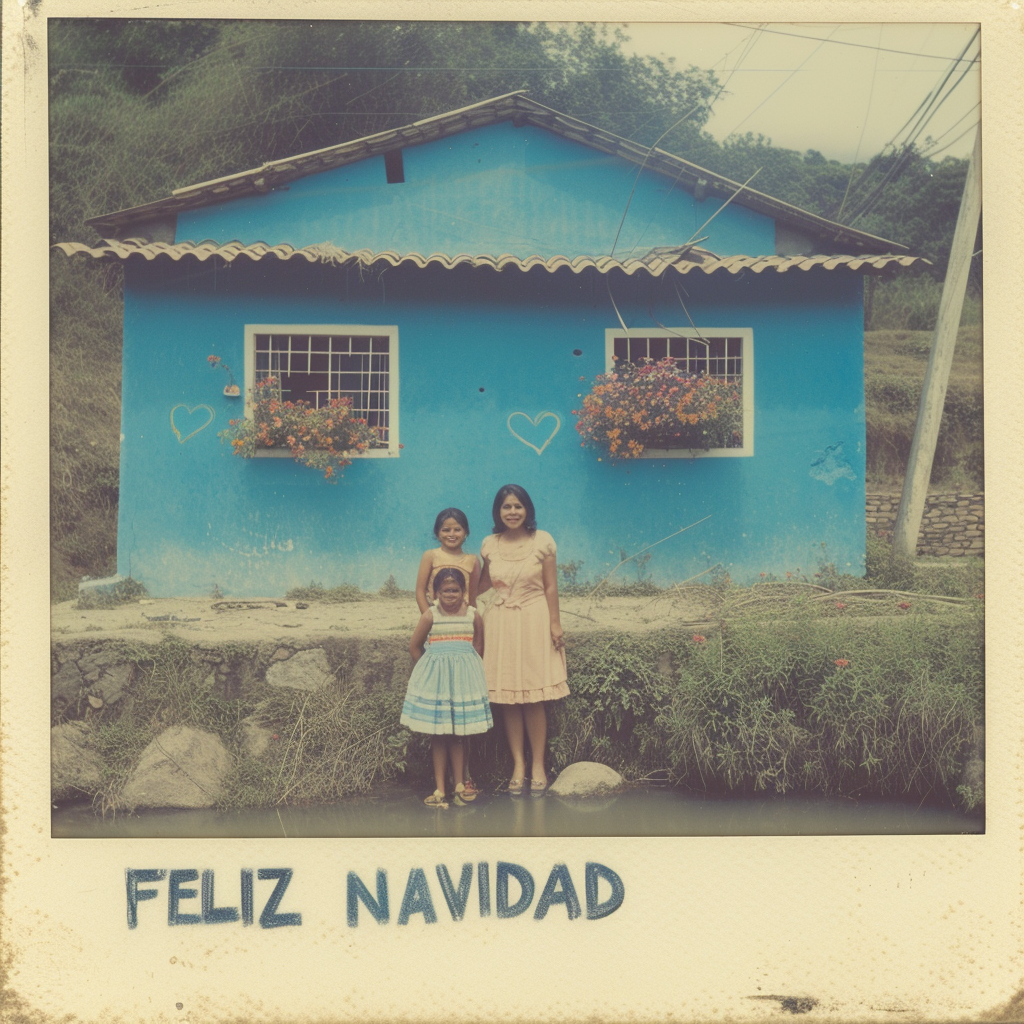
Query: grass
x=169, y=689
x=852, y=707
x=894, y=370
x=330, y=743
x=341, y=594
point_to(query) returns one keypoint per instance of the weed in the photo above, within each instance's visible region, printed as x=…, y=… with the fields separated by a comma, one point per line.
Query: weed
x=123, y=592
x=341, y=594
x=570, y=571
x=392, y=591
x=330, y=743
x=169, y=689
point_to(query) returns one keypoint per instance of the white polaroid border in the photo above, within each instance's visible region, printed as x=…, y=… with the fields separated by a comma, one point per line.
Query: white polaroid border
x=873, y=928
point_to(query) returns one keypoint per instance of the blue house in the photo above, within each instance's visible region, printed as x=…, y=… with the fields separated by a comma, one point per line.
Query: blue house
x=463, y=279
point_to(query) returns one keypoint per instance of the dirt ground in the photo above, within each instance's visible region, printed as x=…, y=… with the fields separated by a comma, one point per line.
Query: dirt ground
x=198, y=619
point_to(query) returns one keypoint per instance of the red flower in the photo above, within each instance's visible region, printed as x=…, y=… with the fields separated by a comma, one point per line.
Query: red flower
x=840, y=606
x=213, y=360
x=841, y=662
x=698, y=639
x=903, y=605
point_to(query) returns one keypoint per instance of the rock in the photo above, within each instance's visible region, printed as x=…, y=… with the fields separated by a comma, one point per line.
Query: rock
x=253, y=738
x=67, y=683
x=113, y=681
x=75, y=765
x=282, y=654
x=182, y=767
x=307, y=670
x=586, y=778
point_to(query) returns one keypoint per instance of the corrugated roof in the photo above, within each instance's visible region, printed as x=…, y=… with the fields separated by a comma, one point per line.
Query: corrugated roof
x=683, y=260
x=516, y=107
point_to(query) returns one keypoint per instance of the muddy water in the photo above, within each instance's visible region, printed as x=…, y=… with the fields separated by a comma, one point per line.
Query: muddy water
x=637, y=812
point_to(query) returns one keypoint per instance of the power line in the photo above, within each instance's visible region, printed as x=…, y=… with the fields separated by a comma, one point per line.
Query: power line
x=863, y=128
x=844, y=42
x=779, y=86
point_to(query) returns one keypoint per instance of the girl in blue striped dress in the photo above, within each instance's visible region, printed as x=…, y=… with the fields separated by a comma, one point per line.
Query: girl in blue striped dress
x=447, y=694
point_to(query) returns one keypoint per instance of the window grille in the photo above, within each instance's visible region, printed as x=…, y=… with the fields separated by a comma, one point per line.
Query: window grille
x=316, y=368
x=726, y=353
x=716, y=356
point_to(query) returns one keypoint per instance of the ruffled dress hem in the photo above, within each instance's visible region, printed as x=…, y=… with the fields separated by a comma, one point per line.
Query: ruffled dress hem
x=555, y=692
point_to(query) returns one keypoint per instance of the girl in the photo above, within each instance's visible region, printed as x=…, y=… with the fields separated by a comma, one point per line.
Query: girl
x=447, y=694
x=525, y=658
x=451, y=528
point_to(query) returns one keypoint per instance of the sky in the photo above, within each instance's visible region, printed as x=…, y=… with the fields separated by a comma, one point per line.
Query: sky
x=844, y=100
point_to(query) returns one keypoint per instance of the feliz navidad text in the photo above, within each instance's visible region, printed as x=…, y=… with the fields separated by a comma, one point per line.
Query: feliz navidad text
x=189, y=903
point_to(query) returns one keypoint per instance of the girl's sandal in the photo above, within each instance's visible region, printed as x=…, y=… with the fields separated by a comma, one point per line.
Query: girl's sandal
x=436, y=799
x=516, y=787
x=465, y=793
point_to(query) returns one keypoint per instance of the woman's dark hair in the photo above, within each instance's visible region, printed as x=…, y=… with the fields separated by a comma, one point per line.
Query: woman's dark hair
x=531, y=514
x=450, y=513
x=448, y=572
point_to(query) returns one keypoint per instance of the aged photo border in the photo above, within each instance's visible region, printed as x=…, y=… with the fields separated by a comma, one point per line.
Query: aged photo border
x=871, y=928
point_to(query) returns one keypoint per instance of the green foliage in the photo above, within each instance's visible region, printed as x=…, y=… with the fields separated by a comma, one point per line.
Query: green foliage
x=884, y=570
x=910, y=302
x=123, y=592
x=895, y=364
x=834, y=706
x=341, y=594
x=608, y=716
x=392, y=591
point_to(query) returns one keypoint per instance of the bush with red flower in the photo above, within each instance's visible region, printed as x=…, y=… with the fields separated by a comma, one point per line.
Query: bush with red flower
x=637, y=406
x=323, y=439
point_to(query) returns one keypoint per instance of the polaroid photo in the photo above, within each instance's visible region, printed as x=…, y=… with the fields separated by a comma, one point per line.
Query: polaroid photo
x=443, y=508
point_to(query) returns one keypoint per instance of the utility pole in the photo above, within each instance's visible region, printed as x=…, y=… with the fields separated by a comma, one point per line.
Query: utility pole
x=933, y=395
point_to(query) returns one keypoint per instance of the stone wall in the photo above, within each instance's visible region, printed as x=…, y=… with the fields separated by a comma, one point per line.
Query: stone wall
x=953, y=525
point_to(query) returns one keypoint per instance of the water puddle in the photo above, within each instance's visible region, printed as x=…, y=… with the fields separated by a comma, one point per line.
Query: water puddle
x=635, y=812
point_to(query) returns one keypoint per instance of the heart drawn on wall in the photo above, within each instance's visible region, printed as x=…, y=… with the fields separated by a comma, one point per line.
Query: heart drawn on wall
x=190, y=411
x=535, y=422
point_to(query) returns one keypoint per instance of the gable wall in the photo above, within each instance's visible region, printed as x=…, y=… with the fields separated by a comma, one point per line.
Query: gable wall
x=192, y=515
x=494, y=190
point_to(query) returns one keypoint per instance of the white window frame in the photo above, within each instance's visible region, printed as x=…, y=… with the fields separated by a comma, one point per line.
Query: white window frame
x=391, y=450
x=747, y=373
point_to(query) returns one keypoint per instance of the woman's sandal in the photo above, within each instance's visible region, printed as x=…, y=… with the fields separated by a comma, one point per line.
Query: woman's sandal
x=538, y=788
x=466, y=793
x=516, y=787
x=436, y=799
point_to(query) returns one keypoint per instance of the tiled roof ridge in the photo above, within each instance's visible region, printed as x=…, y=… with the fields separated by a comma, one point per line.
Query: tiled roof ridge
x=683, y=259
x=515, y=106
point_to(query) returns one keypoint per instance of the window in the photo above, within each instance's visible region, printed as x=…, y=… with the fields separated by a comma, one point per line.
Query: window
x=725, y=353
x=318, y=362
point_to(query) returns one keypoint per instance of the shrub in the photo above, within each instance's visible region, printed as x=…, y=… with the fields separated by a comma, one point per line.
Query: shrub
x=340, y=594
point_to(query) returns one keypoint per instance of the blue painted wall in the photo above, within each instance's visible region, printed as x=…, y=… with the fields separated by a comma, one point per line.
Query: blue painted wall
x=493, y=190
x=475, y=346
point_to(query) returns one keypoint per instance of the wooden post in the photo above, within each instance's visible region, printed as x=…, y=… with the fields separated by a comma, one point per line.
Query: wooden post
x=933, y=394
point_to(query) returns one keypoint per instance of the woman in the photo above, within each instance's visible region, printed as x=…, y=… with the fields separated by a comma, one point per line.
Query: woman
x=524, y=656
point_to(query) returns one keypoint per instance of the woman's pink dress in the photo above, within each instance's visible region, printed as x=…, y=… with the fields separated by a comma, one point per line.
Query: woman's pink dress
x=520, y=661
